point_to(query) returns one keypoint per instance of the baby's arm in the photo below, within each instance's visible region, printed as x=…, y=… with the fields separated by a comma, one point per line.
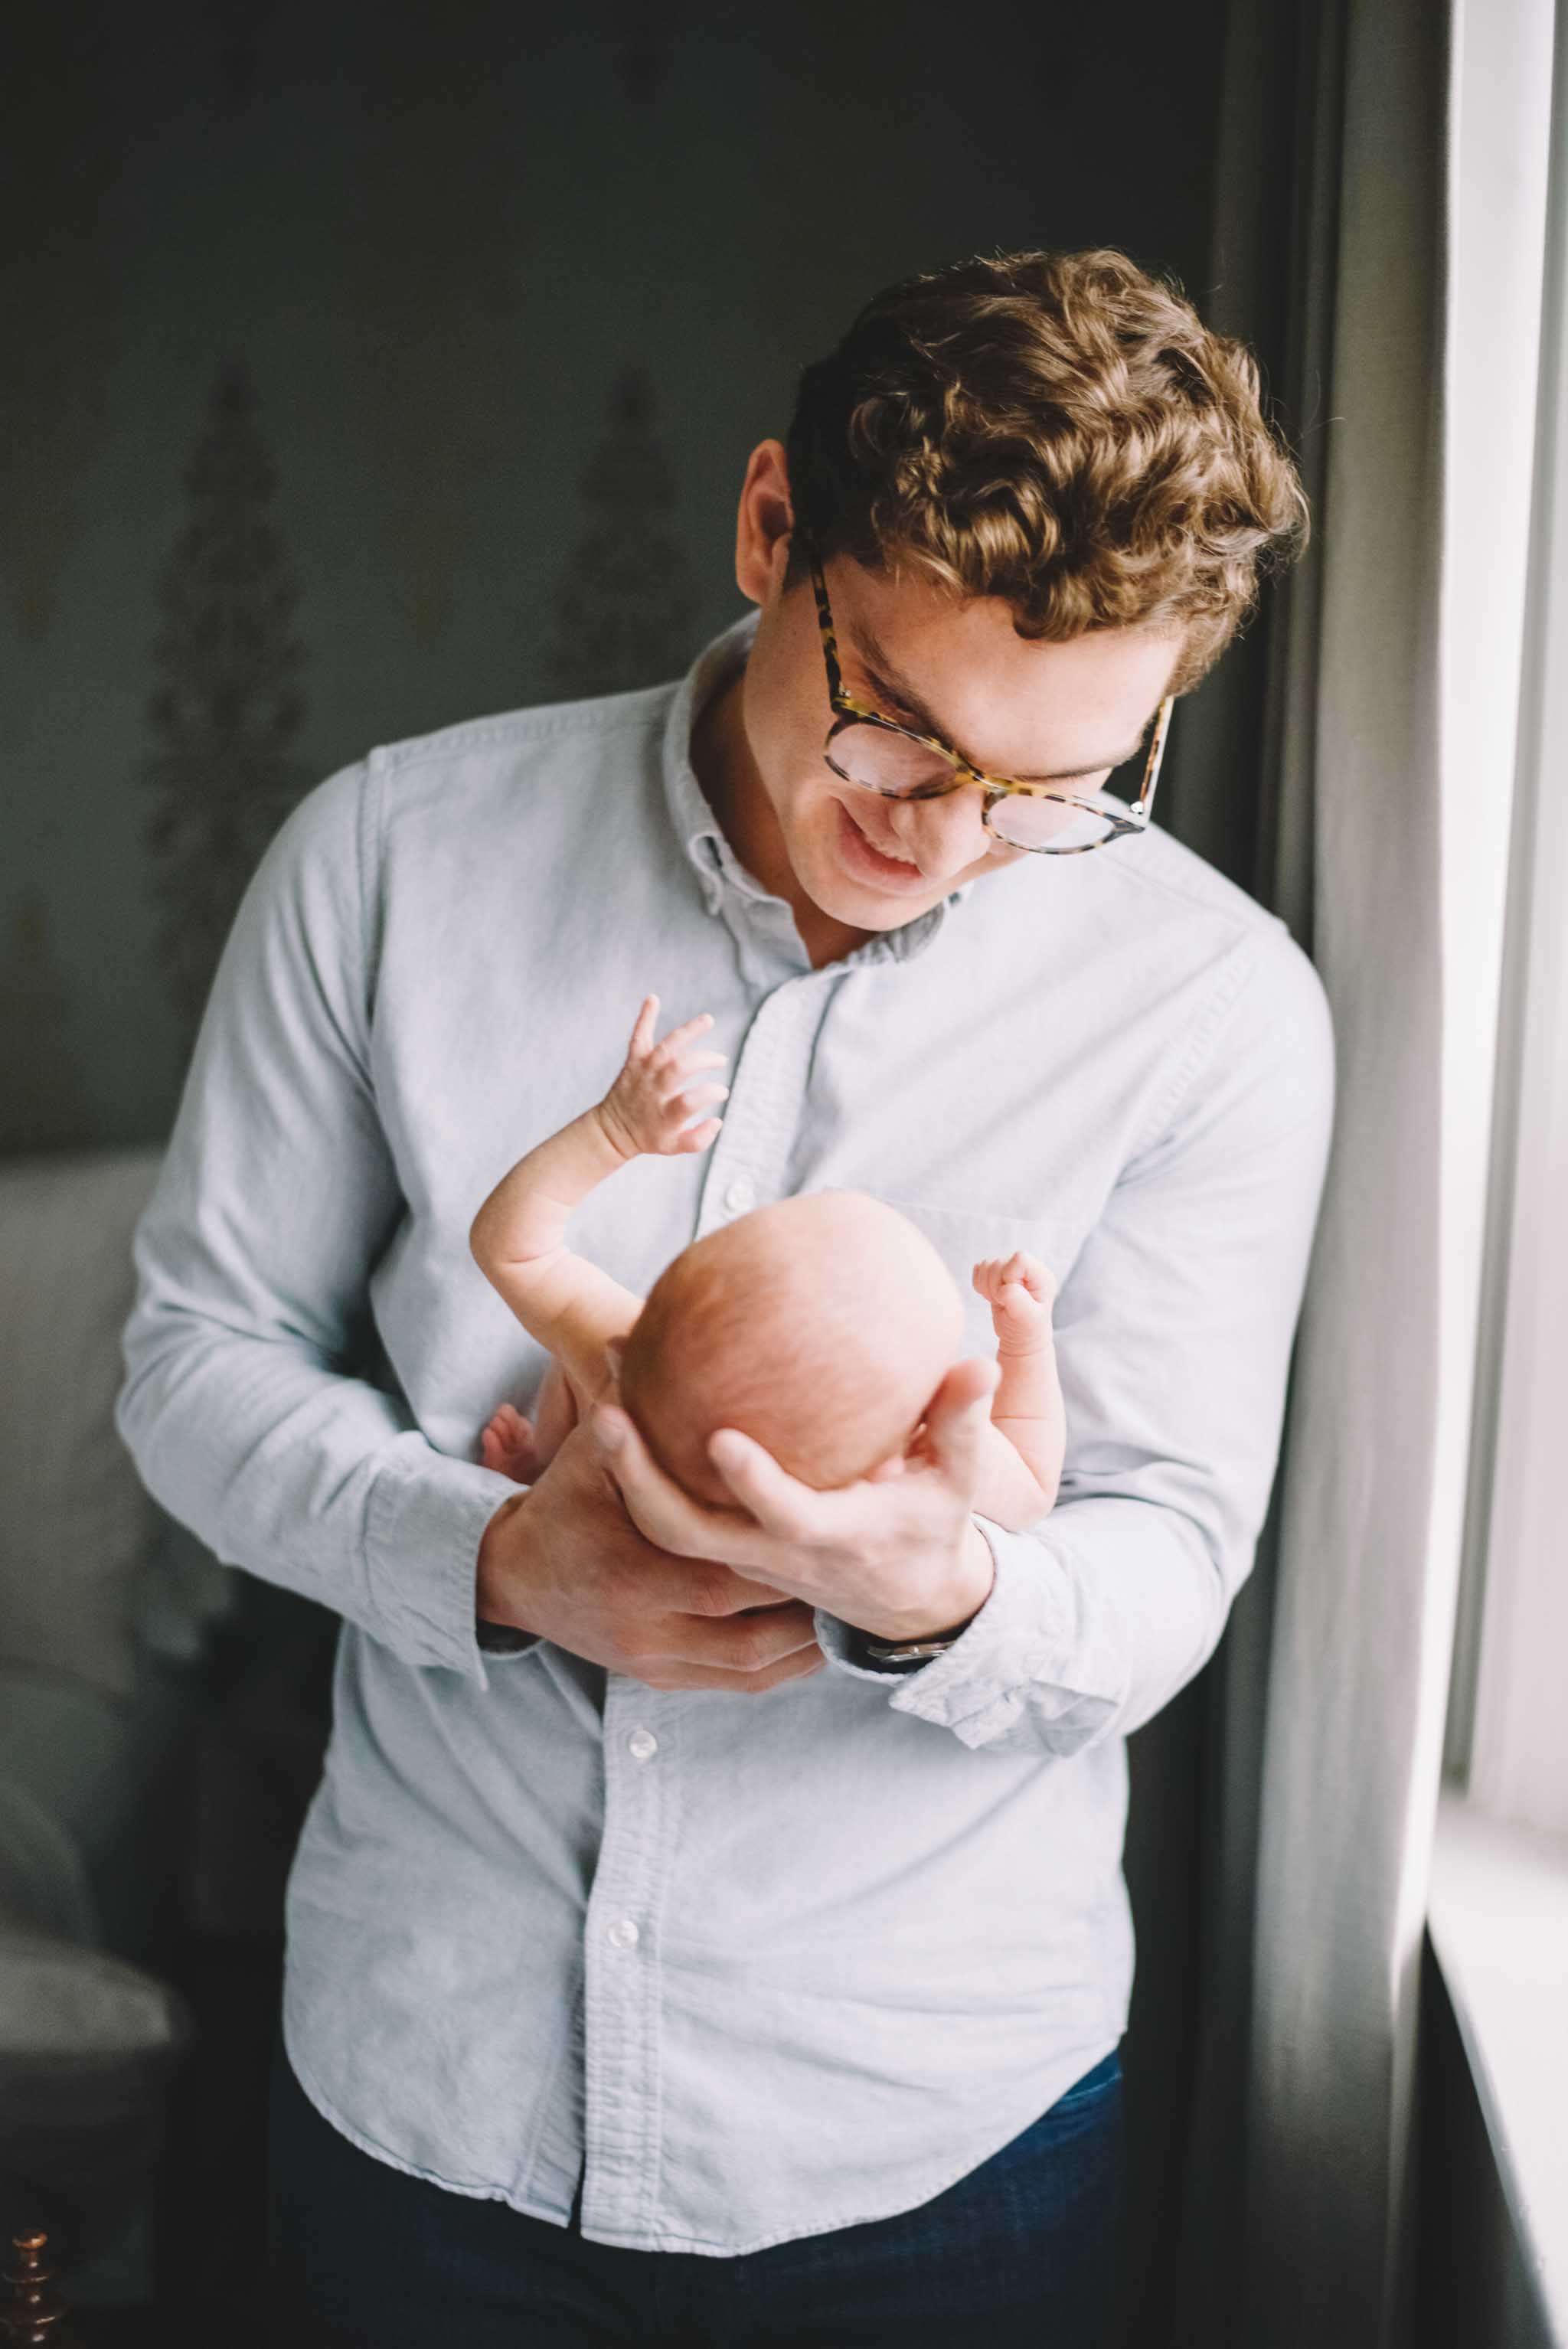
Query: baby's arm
x=1023, y=1463
x=518, y=1237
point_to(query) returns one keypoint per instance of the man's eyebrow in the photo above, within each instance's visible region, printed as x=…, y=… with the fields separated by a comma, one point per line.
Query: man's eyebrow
x=890, y=685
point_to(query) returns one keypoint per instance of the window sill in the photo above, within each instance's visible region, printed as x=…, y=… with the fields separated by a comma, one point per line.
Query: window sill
x=1498, y=1918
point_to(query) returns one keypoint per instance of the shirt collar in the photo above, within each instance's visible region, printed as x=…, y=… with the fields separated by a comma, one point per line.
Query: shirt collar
x=697, y=829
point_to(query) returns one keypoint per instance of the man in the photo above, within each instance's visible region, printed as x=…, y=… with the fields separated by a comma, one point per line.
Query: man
x=710, y=1924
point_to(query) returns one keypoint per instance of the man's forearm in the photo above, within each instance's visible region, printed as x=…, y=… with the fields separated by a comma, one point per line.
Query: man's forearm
x=277, y=1196
x=308, y=1479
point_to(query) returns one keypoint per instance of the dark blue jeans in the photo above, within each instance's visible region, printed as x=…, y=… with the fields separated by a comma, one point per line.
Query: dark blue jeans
x=1020, y=2251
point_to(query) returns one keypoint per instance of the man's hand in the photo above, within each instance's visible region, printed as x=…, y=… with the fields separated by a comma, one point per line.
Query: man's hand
x=564, y=1561
x=897, y=1556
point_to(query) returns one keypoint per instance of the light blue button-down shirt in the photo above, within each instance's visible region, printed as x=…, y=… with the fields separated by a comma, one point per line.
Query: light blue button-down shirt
x=769, y=1964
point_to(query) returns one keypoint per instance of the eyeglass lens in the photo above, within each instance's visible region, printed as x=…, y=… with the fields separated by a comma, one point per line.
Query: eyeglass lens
x=898, y=768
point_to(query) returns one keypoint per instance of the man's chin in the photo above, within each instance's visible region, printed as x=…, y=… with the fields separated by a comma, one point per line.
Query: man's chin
x=859, y=908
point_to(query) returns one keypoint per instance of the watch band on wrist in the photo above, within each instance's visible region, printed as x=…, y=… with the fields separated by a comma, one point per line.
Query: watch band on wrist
x=908, y=1653
x=502, y=1639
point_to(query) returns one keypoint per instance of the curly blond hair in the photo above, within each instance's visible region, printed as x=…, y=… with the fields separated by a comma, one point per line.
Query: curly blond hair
x=1058, y=428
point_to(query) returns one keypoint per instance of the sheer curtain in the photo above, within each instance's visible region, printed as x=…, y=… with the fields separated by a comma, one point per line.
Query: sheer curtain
x=1380, y=221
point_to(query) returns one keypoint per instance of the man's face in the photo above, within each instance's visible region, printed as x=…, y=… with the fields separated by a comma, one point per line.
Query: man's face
x=1017, y=707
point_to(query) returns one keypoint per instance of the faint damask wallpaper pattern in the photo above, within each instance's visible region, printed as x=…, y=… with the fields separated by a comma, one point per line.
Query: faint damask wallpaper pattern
x=625, y=609
x=412, y=354
x=227, y=709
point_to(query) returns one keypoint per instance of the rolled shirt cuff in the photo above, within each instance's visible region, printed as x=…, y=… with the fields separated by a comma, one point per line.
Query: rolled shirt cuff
x=1031, y=1651
x=426, y=1517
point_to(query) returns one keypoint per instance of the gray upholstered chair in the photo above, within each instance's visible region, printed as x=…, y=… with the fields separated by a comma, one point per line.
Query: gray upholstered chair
x=104, y=1606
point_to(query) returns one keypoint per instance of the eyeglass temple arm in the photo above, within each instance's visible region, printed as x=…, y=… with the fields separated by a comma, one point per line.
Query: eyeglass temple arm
x=1156, y=759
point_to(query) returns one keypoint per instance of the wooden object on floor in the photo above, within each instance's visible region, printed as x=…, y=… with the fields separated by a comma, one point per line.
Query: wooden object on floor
x=32, y=2316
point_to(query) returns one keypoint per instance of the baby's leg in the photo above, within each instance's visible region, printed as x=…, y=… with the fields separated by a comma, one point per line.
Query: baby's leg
x=1026, y=1407
x=507, y=1445
x=520, y=1448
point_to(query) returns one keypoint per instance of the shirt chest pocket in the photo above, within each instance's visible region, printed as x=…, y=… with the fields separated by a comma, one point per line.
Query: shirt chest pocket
x=965, y=1237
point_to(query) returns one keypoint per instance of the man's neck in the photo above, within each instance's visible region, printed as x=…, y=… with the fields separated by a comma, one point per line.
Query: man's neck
x=727, y=775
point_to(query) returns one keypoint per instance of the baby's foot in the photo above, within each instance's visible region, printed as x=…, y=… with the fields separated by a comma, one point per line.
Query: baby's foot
x=650, y=1104
x=1020, y=1291
x=507, y=1445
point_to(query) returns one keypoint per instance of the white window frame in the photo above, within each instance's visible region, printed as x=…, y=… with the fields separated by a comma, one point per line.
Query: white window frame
x=1507, y=1746
x=1498, y=1900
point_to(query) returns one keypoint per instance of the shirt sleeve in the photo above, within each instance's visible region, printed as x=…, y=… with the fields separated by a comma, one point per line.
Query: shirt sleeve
x=245, y=1405
x=1175, y=1331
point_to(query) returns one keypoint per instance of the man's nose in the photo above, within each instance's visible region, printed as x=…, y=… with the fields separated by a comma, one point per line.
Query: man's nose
x=943, y=836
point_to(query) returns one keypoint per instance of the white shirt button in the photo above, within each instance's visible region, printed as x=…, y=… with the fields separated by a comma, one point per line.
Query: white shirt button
x=623, y=1934
x=739, y=1196
x=643, y=1743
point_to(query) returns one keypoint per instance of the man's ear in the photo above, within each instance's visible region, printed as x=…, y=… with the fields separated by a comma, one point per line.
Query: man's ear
x=764, y=521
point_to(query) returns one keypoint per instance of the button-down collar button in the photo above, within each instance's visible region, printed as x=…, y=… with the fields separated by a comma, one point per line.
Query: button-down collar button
x=623, y=1934
x=739, y=1195
x=642, y=1743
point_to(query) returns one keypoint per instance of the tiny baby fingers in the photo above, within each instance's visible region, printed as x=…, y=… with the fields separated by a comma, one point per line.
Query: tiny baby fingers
x=687, y=1032
x=675, y=1115
x=643, y=1029
x=699, y=1137
x=1042, y=1283
x=674, y=1079
x=1035, y=1277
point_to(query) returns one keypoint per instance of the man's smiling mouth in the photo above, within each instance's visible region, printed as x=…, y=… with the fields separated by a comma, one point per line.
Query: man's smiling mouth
x=897, y=870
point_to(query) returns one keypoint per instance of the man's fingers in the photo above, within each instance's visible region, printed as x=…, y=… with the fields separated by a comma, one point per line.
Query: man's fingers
x=671, y=1676
x=736, y=1647
x=712, y=1587
x=661, y=1512
x=782, y=1507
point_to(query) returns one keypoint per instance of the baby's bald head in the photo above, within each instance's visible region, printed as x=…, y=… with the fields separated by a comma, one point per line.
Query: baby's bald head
x=821, y=1326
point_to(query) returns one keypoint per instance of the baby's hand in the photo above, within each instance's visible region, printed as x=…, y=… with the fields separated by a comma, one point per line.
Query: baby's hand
x=1020, y=1291
x=648, y=1106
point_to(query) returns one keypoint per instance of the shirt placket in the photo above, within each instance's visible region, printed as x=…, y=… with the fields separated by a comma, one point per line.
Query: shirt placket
x=645, y=1748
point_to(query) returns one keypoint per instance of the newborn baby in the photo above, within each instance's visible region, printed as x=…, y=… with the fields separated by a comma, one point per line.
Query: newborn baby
x=820, y=1326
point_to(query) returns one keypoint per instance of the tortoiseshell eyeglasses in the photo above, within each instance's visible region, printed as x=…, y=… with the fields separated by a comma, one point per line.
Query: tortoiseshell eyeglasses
x=897, y=762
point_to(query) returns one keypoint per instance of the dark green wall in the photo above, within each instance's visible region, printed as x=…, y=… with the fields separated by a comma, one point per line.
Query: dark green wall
x=320, y=330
